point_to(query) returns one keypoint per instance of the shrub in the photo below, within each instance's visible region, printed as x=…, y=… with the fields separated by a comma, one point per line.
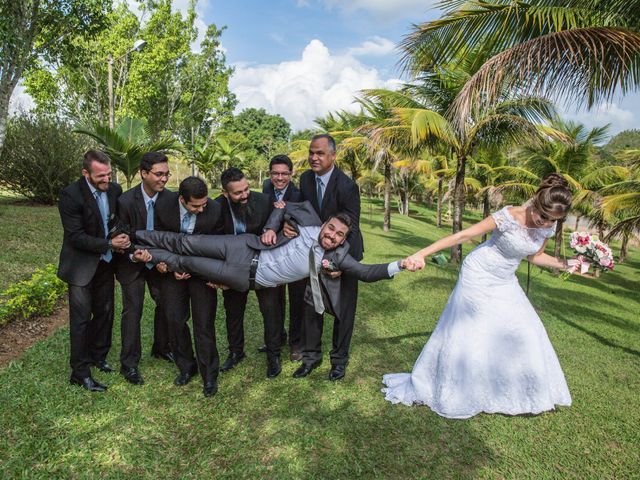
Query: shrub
x=37, y=296
x=40, y=156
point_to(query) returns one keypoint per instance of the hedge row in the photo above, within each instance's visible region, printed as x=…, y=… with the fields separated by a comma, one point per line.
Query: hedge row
x=37, y=296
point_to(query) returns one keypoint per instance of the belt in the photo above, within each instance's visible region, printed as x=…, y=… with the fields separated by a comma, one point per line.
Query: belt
x=253, y=268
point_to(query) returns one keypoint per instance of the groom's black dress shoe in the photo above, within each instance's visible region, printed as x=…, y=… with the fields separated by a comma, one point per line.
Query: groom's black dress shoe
x=184, y=377
x=164, y=356
x=132, y=375
x=210, y=388
x=103, y=366
x=234, y=359
x=337, y=372
x=273, y=367
x=304, y=370
x=88, y=383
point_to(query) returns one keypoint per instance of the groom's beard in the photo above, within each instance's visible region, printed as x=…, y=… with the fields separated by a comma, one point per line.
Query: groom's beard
x=242, y=211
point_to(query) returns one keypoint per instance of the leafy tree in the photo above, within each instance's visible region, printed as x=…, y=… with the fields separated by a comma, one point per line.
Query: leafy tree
x=41, y=156
x=174, y=89
x=578, y=50
x=262, y=132
x=42, y=31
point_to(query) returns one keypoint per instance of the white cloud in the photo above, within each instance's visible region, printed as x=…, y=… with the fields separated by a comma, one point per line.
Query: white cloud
x=377, y=46
x=621, y=114
x=309, y=87
x=384, y=9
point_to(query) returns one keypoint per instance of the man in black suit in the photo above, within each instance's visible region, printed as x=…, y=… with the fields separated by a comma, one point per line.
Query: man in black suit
x=190, y=211
x=279, y=187
x=137, y=207
x=86, y=264
x=330, y=191
x=250, y=262
x=243, y=211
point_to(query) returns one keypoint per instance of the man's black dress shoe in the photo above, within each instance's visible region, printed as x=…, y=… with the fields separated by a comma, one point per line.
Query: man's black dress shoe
x=183, y=378
x=103, y=366
x=132, y=375
x=210, y=389
x=337, y=372
x=304, y=370
x=233, y=359
x=88, y=383
x=164, y=356
x=273, y=367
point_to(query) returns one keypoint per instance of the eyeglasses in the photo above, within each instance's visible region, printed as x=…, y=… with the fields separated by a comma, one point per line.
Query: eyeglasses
x=161, y=174
x=280, y=174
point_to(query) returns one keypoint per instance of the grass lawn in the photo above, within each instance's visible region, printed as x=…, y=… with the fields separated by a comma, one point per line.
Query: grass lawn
x=312, y=428
x=30, y=236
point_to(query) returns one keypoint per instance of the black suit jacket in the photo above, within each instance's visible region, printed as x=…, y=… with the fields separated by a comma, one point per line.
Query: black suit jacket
x=84, y=236
x=167, y=216
x=292, y=194
x=133, y=212
x=341, y=195
x=261, y=207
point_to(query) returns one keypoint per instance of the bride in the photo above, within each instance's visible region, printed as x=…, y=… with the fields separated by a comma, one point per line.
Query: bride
x=489, y=351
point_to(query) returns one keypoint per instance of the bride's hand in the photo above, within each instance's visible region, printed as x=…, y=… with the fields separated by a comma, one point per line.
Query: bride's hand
x=413, y=263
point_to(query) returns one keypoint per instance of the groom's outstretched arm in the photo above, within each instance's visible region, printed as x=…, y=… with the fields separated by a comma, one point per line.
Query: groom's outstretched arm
x=371, y=272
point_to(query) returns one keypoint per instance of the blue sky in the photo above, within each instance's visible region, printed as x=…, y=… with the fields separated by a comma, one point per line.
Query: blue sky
x=305, y=58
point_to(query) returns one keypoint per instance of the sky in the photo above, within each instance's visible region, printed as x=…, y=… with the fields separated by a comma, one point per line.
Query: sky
x=305, y=58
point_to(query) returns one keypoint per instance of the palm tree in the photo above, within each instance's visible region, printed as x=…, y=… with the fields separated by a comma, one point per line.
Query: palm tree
x=621, y=200
x=126, y=144
x=576, y=50
x=421, y=118
x=213, y=159
x=572, y=158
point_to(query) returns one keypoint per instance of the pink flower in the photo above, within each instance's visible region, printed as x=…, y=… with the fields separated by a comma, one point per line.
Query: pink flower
x=325, y=263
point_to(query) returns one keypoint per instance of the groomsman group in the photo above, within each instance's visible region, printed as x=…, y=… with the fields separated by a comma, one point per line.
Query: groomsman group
x=92, y=256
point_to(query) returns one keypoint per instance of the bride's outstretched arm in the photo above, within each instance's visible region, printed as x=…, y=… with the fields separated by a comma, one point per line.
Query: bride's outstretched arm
x=542, y=259
x=416, y=261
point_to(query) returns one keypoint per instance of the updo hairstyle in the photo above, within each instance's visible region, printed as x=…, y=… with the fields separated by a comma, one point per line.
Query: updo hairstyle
x=553, y=197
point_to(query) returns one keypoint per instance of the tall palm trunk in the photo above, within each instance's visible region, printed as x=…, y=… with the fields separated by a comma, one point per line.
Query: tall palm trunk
x=486, y=210
x=405, y=194
x=624, y=248
x=458, y=205
x=439, y=204
x=386, y=224
x=578, y=217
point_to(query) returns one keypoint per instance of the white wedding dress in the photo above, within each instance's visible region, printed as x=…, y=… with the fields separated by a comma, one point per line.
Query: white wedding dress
x=489, y=351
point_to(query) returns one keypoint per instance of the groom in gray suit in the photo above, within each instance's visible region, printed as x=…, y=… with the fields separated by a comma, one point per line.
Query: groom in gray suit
x=244, y=262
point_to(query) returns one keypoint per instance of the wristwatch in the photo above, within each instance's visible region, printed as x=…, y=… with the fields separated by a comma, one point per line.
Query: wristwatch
x=110, y=243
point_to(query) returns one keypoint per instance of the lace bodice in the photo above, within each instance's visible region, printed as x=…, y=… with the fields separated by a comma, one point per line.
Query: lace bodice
x=508, y=245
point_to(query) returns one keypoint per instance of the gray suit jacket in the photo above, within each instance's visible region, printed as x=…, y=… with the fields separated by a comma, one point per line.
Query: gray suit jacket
x=304, y=215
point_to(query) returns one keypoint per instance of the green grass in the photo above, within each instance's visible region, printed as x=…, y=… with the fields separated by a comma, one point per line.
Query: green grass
x=30, y=237
x=312, y=428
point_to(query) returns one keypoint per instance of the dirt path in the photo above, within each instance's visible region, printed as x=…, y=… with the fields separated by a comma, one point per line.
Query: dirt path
x=17, y=337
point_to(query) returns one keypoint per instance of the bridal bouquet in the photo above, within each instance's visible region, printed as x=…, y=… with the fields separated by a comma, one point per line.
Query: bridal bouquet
x=590, y=251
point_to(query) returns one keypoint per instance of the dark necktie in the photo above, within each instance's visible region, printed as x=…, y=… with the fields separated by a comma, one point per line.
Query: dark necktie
x=319, y=191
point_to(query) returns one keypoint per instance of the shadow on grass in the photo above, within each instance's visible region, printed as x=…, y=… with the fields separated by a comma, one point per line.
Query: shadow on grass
x=559, y=305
